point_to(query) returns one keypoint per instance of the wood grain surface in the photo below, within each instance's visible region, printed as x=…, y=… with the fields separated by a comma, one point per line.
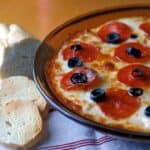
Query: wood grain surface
x=41, y=16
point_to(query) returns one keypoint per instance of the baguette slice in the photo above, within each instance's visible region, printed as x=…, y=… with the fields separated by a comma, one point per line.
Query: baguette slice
x=13, y=33
x=23, y=89
x=20, y=124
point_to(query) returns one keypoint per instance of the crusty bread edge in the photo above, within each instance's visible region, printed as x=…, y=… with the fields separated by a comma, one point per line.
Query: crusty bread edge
x=33, y=141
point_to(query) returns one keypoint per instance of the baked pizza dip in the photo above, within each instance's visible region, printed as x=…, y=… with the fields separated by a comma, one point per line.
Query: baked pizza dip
x=103, y=74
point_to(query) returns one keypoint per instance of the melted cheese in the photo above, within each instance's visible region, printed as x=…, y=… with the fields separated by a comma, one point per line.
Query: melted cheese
x=83, y=98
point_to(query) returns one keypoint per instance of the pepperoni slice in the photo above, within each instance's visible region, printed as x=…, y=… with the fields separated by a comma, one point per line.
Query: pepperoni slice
x=115, y=27
x=121, y=52
x=118, y=104
x=91, y=76
x=136, y=75
x=86, y=53
x=145, y=27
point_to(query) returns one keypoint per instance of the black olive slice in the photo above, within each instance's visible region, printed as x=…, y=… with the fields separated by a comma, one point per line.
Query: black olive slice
x=97, y=95
x=113, y=38
x=147, y=111
x=137, y=72
x=135, y=91
x=134, y=36
x=74, y=62
x=134, y=52
x=78, y=78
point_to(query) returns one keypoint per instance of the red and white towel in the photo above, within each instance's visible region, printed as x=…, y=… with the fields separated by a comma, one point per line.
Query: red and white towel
x=65, y=134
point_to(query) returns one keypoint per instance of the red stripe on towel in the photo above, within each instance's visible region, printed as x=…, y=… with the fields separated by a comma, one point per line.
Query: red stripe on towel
x=80, y=143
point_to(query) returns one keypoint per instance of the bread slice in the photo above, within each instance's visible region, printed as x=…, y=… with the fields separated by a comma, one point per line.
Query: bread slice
x=13, y=33
x=23, y=89
x=20, y=124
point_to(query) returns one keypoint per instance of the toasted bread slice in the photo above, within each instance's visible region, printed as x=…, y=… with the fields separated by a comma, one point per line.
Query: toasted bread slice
x=20, y=124
x=23, y=89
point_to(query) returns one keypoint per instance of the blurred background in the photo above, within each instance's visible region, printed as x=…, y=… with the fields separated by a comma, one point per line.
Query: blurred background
x=41, y=16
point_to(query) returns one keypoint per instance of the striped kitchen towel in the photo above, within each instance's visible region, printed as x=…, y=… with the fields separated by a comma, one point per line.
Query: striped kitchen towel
x=65, y=134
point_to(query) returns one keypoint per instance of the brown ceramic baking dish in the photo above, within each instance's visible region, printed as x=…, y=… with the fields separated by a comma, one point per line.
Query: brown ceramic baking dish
x=53, y=42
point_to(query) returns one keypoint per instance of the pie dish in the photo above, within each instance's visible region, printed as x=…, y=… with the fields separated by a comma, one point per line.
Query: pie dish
x=116, y=117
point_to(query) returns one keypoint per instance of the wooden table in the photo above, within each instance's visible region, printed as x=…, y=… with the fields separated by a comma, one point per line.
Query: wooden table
x=41, y=16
